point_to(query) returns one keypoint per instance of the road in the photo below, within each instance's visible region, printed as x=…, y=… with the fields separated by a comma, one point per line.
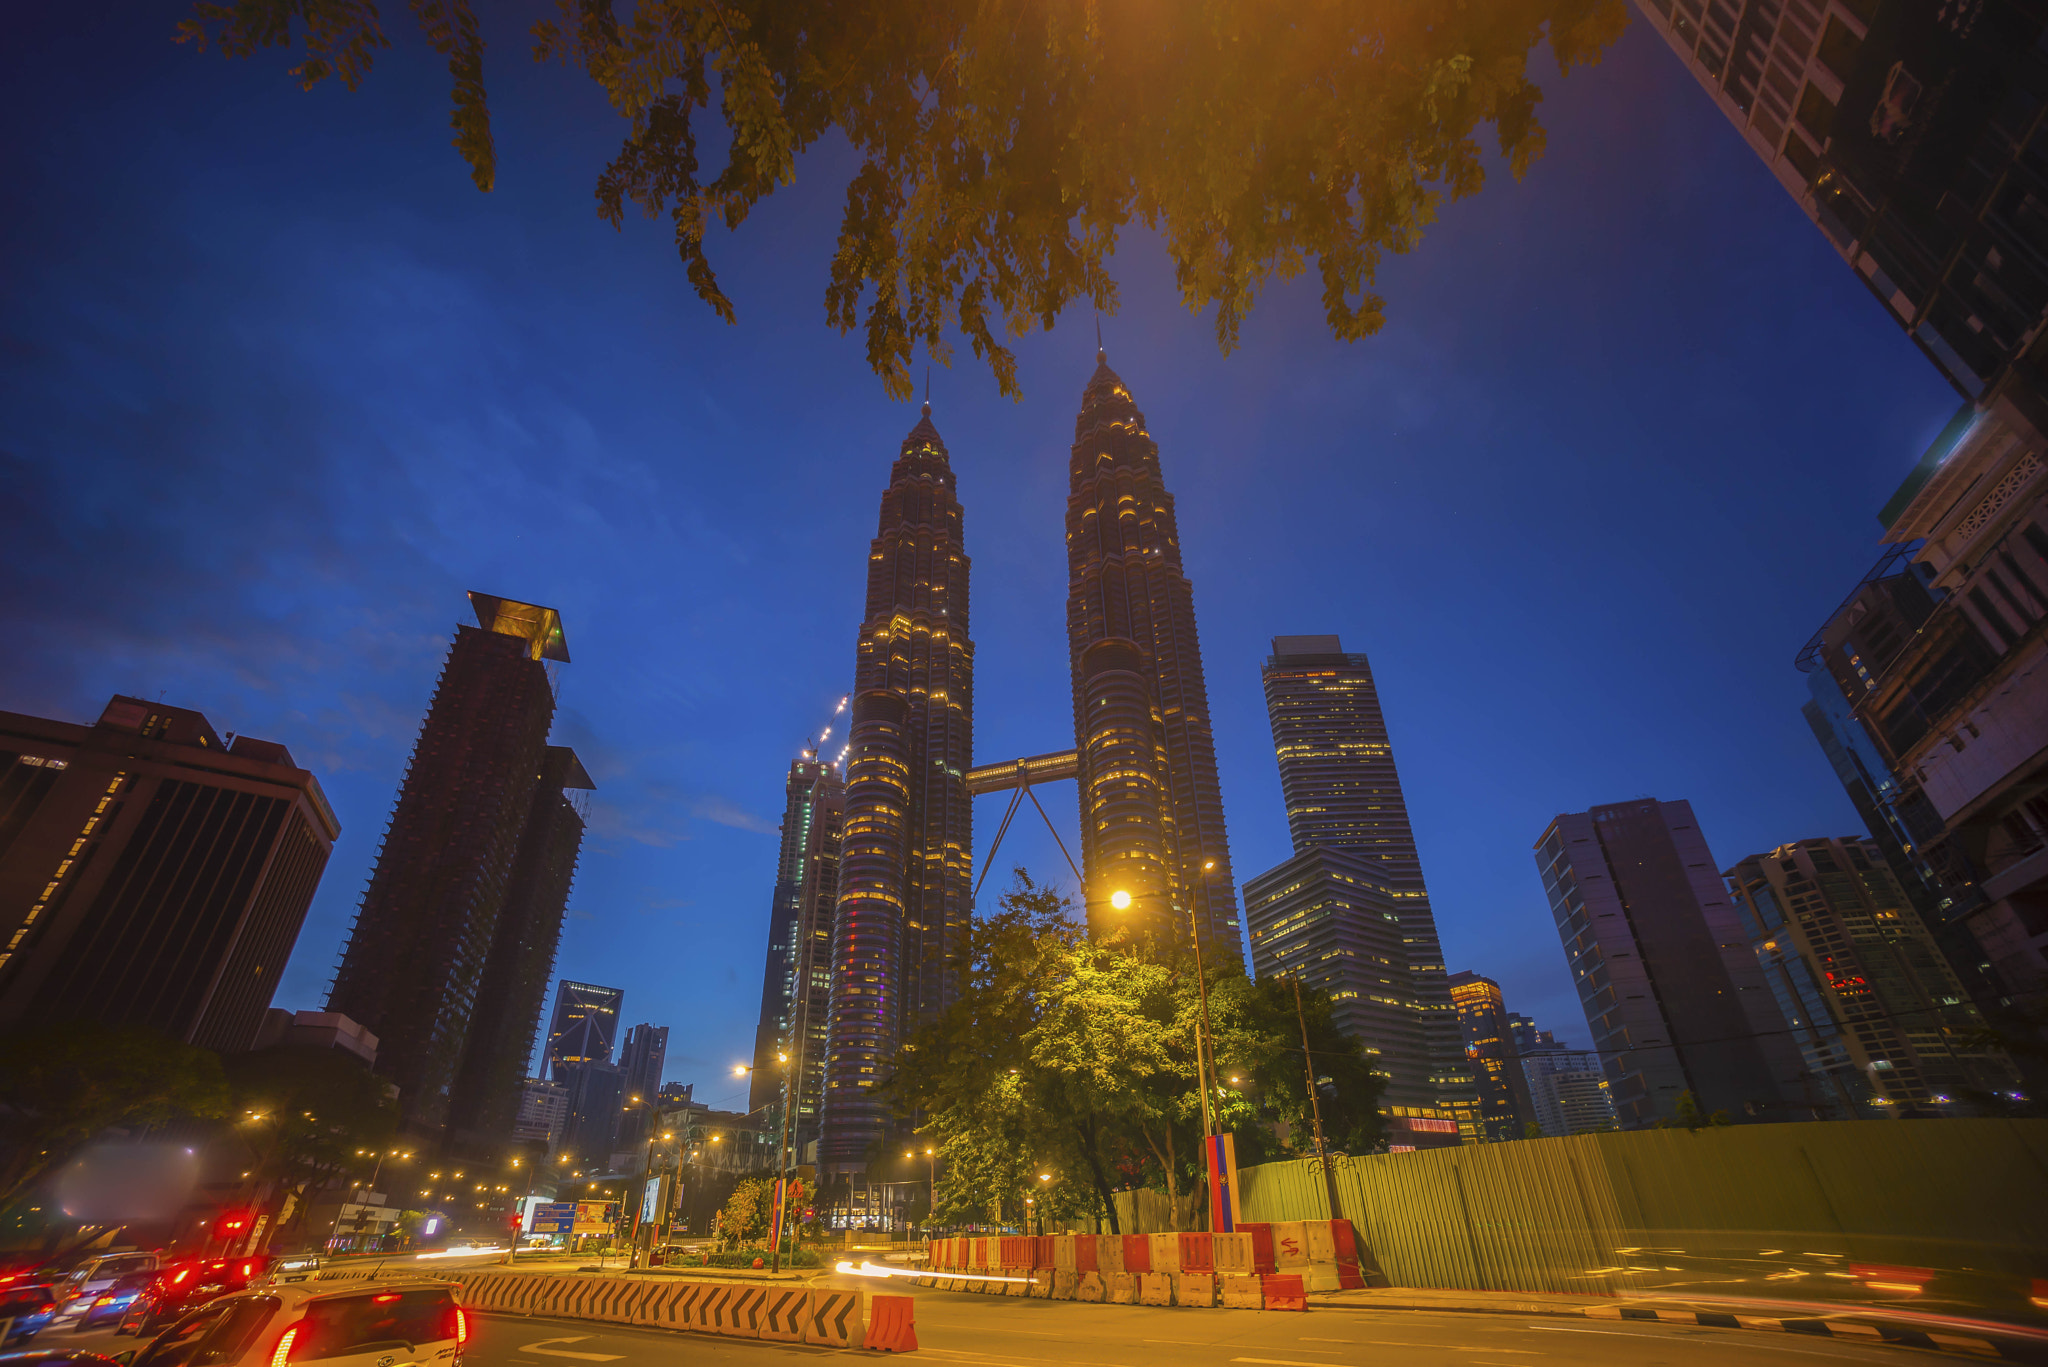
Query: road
x=980, y=1331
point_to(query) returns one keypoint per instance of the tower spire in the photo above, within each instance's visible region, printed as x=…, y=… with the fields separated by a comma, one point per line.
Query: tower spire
x=1101, y=356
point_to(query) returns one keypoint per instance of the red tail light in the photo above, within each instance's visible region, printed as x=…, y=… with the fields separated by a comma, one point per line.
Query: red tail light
x=461, y=1328
x=283, y=1354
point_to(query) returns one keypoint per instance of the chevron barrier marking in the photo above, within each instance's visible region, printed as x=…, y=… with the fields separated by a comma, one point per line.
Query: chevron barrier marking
x=833, y=1319
x=891, y=1326
x=782, y=1314
x=739, y=1314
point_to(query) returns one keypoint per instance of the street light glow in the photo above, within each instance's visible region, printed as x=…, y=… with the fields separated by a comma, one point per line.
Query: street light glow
x=1120, y=899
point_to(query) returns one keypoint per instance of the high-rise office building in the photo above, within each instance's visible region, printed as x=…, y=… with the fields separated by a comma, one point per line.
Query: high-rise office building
x=900, y=928
x=1672, y=992
x=522, y=958
x=597, y=1105
x=641, y=1059
x=151, y=875
x=1491, y=1053
x=585, y=1024
x=1910, y=131
x=796, y=984
x=415, y=959
x=1151, y=807
x=1568, y=1092
x=543, y=1116
x=1352, y=916
x=1880, y=1017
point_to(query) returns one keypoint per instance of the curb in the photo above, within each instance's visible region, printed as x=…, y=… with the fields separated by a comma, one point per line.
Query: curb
x=1855, y=1330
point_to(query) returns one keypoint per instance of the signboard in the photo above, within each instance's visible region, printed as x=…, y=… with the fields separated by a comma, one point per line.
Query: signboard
x=596, y=1217
x=650, y=1201
x=554, y=1217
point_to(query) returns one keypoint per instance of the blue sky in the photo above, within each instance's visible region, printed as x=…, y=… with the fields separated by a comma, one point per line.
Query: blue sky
x=277, y=385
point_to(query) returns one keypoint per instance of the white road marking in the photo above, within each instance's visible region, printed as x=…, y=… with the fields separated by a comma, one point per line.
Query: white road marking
x=545, y=1351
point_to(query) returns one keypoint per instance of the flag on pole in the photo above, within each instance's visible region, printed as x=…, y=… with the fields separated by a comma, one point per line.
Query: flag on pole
x=1221, y=1152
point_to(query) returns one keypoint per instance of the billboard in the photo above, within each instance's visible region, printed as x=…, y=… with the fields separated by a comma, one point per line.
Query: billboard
x=596, y=1217
x=650, y=1201
x=554, y=1217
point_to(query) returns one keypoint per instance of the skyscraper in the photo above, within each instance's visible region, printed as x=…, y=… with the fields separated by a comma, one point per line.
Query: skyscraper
x=415, y=959
x=641, y=1059
x=1151, y=807
x=1670, y=987
x=151, y=875
x=1505, y=1108
x=1350, y=912
x=584, y=1025
x=522, y=958
x=1910, y=131
x=796, y=984
x=901, y=925
x=1878, y=1014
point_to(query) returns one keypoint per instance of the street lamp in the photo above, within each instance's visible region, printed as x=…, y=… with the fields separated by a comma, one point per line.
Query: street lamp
x=781, y=1156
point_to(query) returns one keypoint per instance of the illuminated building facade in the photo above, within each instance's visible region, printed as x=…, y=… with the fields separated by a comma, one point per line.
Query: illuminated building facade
x=901, y=925
x=514, y=990
x=1151, y=807
x=1882, y=1021
x=796, y=986
x=151, y=875
x=585, y=1024
x=415, y=961
x=1671, y=990
x=1349, y=912
x=1491, y=1053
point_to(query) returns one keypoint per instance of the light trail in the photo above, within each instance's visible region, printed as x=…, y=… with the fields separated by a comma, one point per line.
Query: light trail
x=868, y=1269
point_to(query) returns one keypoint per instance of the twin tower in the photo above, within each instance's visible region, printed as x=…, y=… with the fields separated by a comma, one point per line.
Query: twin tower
x=1155, y=857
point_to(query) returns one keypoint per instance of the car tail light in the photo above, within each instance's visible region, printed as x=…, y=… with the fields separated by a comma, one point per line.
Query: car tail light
x=289, y=1337
x=461, y=1327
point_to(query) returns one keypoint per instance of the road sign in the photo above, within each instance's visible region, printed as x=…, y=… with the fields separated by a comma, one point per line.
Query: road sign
x=555, y=1217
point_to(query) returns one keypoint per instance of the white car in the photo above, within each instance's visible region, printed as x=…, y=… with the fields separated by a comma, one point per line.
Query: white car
x=82, y=1285
x=399, y=1323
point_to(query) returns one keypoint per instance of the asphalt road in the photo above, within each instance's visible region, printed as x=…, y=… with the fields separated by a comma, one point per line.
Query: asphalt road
x=980, y=1331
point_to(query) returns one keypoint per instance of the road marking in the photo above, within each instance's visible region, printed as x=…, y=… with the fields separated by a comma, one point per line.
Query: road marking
x=1440, y=1347
x=547, y=1352
x=1281, y=1362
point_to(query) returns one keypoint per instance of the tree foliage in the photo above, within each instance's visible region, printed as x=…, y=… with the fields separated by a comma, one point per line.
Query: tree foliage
x=309, y=1117
x=61, y=1086
x=1003, y=146
x=746, y=1213
x=1075, y=1059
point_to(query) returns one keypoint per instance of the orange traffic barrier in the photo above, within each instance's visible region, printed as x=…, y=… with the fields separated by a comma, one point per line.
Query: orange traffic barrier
x=892, y=1326
x=1283, y=1291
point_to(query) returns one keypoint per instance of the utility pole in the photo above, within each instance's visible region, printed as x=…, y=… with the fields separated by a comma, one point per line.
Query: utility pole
x=1314, y=1100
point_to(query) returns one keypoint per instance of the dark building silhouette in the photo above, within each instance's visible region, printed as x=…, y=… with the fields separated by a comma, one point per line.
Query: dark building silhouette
x=1910, y=132
x=1671, y=989
x=796, y=985
x=584, y=1025
x=151, y=875
x=1349, y=912
x=1151, y=808
x=640, y=1062
x=415, y=960
x=901, y=925
x=597, y=1093
x=1495, y=1058
x=522, y=959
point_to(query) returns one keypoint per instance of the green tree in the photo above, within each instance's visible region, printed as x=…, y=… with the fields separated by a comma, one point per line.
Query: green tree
x=308, y=1115
x=62, y=1086
x=1003, y=146
x=745, y=1216
x=1258, y=1035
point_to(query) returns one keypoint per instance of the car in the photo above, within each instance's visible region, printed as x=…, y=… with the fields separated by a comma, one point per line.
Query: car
x=403, y=1322
x=26, y=1309
x=186, y=1286
x=83, y=1284
x=64, y=1357
x=110, y=1303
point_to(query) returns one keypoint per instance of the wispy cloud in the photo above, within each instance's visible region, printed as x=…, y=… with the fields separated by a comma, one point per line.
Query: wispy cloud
x=725, y=813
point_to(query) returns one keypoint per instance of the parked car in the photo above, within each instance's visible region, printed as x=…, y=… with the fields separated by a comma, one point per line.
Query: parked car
x=60, y=1357
x=185, y=1286
x=397, y=1323
x=109, y=1305
x=83, y=1284
x=26, y=1308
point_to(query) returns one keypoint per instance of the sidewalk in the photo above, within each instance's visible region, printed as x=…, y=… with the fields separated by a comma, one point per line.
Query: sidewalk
x=1872, y=1324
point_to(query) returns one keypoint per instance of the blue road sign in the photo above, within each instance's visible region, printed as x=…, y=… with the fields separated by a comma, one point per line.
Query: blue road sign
x=556, y=1217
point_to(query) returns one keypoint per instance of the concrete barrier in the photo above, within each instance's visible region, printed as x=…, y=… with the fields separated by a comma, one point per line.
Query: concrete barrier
x=1040, y=1286
x=1197, y=1289
x=1123, y=1287
x=1155, y=1288
x=1088, y=1286
x=1064, y=1281
x=834, y=1319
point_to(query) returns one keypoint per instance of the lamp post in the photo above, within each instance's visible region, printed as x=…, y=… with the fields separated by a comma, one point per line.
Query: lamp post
x=1315, y=1103
x=334, y=1230
x=1204, y=1069
x=781, y=1159
x=653, y=1118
